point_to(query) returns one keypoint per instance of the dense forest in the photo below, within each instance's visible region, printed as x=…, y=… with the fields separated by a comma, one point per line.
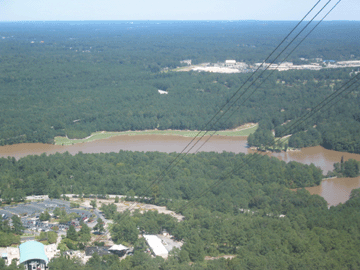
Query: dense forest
x=251, y=213
x=349, y=168
x=74, y=78
x=130, y=172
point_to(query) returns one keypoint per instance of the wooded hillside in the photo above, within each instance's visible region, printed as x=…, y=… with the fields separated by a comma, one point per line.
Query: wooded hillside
x=68, y=78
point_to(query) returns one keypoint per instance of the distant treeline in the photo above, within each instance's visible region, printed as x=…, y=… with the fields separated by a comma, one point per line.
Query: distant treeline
x=336, y=127
x=77, y=78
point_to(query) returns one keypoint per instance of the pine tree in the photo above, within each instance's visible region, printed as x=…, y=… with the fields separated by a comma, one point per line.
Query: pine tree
x=71, y=233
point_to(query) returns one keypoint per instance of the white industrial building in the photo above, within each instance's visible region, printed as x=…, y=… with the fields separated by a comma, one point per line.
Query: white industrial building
x=156, y=246
x=230, y=62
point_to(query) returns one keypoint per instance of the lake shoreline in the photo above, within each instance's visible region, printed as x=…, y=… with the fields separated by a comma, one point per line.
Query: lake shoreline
x=334, y=191
x=242, y=131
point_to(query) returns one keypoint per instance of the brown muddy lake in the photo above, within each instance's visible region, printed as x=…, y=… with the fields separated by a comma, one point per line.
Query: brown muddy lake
x=334, y=190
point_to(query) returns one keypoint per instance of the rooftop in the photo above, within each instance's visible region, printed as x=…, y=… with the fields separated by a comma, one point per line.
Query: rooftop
x=118, y=248
x=32, y=250
x=156, y=245
x=101, y=251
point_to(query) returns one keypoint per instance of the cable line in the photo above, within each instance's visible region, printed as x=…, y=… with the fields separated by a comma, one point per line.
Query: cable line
x=172, y=163
x=223, y=106
x=271, y=71
x=321, y=105
x=314, y=110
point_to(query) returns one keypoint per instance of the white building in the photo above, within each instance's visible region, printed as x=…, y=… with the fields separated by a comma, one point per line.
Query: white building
x=162, y=92
x=230, y=62
x=119, y=250
x=156, y=246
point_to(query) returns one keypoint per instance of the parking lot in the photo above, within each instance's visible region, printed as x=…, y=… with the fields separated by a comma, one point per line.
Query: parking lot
x=30, y=213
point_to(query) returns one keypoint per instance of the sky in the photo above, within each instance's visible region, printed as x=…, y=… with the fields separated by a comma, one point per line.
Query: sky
x=79, y=10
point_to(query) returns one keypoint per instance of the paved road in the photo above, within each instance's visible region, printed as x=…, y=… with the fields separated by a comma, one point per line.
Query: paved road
x=98, y=215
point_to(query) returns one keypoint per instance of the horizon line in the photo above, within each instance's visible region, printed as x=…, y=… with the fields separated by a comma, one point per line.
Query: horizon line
x=165, y=20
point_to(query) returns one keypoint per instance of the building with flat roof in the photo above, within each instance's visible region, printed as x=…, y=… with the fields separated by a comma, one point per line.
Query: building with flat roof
x=156, y=246
x=162, y=92
x=230, y=62
x=32, y=256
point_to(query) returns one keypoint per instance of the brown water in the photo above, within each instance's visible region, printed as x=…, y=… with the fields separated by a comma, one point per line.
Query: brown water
x=318, y=155
x=333, y=190
x=145, y=143
x=336, y=190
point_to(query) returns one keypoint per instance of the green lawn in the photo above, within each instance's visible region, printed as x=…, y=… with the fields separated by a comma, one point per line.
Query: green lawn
x=186, y=133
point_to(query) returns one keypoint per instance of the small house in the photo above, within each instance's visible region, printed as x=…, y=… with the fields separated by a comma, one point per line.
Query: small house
x=162, y=92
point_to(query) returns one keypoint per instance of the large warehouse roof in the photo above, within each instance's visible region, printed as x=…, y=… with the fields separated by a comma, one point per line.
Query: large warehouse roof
x=32, y=250
x=156, y=245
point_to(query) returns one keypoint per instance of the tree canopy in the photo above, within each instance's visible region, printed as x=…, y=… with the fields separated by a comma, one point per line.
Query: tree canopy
x=83, y=79
x=248, y=209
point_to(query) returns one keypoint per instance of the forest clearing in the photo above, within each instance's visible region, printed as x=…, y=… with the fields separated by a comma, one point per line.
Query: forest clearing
x=132, y=205
x=244, y=130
